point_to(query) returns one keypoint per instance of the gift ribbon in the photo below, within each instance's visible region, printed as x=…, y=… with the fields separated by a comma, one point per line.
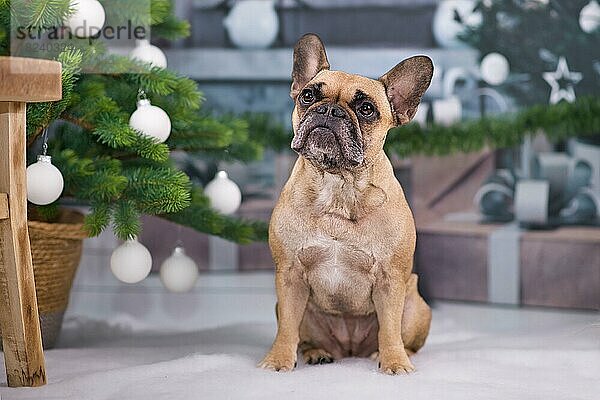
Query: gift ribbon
x=503, y=267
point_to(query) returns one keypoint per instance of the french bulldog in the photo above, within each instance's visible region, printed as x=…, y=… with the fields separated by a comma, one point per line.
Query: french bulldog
x=342, y=234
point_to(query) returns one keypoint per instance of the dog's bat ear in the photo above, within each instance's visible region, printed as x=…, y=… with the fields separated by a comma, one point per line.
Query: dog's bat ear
x=405, y=84
x=309, y=59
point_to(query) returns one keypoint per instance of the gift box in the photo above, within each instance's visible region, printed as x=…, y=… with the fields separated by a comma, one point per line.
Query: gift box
x=501, y=263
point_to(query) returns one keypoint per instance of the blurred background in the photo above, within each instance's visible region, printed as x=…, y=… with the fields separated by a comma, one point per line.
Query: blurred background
x=472, y=244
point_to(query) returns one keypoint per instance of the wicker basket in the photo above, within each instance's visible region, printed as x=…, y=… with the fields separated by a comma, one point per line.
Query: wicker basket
x=56, y=252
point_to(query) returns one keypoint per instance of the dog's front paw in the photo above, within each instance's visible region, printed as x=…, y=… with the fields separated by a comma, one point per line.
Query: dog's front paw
x=317, y=356
x=395, y=364
x=279, y=361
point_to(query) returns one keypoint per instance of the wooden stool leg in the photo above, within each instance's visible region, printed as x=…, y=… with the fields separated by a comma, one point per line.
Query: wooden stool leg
x=19, y=321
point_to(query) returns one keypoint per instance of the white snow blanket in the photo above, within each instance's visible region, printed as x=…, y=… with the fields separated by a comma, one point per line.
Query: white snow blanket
x=473, y=352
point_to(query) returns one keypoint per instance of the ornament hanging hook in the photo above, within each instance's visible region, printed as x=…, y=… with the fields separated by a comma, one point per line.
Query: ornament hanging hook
x=179, y=241
x=142, y=98
x=142, y=95
x=45, y=141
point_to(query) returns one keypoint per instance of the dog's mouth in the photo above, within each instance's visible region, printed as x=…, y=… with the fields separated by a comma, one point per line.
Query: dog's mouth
x=329, y=145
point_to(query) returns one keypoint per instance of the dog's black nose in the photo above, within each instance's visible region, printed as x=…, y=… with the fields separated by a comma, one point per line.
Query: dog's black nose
x=337, y=111
x=331, y=109
x=322, y=109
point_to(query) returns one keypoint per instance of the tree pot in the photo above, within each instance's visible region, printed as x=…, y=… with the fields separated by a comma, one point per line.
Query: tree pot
x=56, y=252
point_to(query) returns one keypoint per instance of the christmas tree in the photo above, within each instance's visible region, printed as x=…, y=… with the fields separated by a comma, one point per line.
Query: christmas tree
x=552, y=49
x=106, y=164
x=551, y=46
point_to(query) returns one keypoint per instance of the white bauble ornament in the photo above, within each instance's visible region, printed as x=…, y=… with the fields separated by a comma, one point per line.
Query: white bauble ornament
x=447, y=111
x=179, y=272
x=146, y=52
x=151, y=121
x=446, y=27
x=224, y=194
x=44, y=181
x=494, y=68
x=589, y=17
x=87, y=19
x=252, y=23
x=131, y=262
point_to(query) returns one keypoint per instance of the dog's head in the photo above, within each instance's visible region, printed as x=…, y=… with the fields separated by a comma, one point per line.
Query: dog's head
x=341, y=120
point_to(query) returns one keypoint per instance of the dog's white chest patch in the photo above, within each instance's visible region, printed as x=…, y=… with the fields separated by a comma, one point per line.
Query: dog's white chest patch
x=339, y=275
x=335, y=278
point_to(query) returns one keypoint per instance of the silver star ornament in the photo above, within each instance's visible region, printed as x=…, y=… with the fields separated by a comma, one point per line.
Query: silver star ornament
x=562, y=73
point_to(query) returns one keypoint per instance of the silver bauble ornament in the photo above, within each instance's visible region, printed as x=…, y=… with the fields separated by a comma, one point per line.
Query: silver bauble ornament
x=131, y=262
x=179, y=272
x=151, y=121
x=494, y=69
x=45, y=182
x=589, y=17
x=146, y=52
x=225, y=196
x=446, y=27
x=87, y=19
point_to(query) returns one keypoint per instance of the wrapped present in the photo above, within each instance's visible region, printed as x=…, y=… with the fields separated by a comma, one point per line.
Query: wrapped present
x=559, y=192
x=505, y=264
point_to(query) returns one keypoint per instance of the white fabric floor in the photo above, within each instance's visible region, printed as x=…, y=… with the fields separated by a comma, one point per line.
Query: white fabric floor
x=138, y=342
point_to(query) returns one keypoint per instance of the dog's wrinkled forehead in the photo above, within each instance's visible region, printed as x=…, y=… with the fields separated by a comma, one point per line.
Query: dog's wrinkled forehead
x=344, y=88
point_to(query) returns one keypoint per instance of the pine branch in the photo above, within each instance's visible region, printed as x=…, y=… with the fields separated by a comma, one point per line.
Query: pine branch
x=90, y=180
x=171, y=28
x=201, y=217
x=39, y=13
x=126, y=220
x=264, y=130
x=40, y=115
x=98, y=219
x=161, y=9
x=158, y=190
x=47, y=12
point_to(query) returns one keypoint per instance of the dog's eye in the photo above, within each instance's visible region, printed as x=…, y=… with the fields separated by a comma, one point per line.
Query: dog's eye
x=307, y=97
x=366, y=109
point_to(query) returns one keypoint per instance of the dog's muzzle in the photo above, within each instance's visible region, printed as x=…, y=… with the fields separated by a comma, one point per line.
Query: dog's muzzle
x=328, y=137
